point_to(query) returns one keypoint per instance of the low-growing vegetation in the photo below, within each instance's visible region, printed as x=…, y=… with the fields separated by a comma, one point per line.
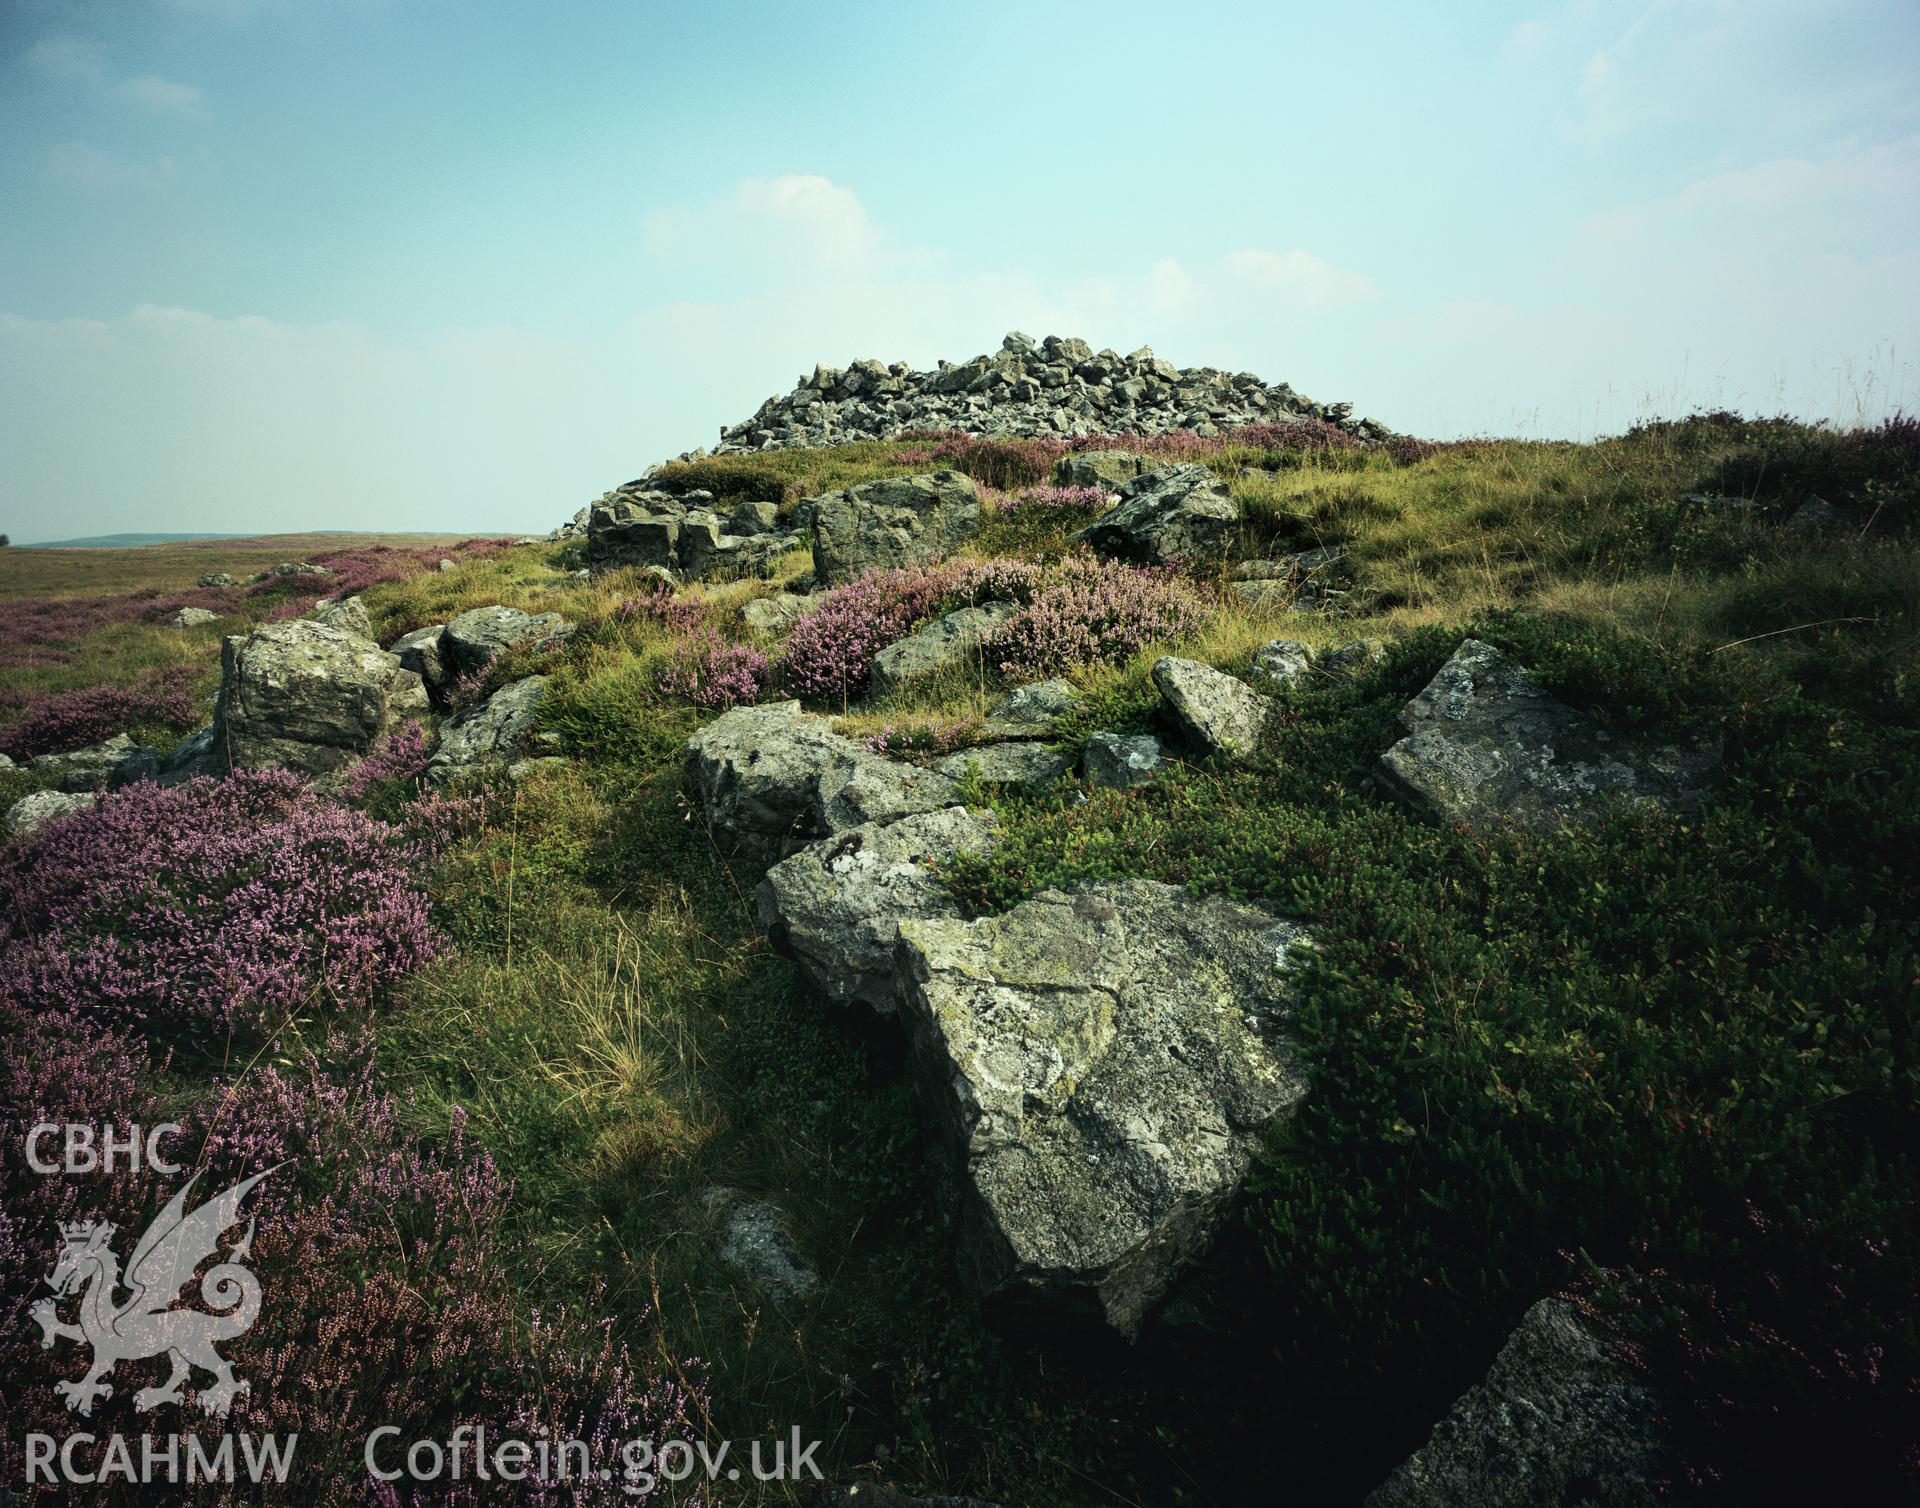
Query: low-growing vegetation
x=507, y=1040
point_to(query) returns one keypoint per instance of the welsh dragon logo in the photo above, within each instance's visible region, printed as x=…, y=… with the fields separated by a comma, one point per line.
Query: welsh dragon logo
x=147, y=1324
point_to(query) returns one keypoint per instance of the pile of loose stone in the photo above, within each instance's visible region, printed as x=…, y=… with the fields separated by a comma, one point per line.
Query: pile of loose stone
x=1057, y=386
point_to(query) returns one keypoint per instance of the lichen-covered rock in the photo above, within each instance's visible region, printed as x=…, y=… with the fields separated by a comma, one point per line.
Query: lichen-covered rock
x=1558, y=1422
x=836, y=906
x=423, y=652
x=1351, y=658
x=219, y=578
x=1281, y=662
x=1485, y=743
x=495, y=732
x=1031, y=711
x=348, y=613
x=107, y=765
x=1109, y=470
x=301, y=696
x=193, y=617
x=754, y=1240
x=1031, y=766
x=1176, y=513
x=476, y=636
x=1098, y=1065
x=773, y=615
x=194, y=755
x=1219, y=713
x=947, y=642
x=892, y=522
x=30, y=813
x=1121, y=761
x=772, y=779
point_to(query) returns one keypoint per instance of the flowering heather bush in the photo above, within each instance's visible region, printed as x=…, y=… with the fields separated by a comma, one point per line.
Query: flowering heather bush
x=43, y=623
x=74, y=719
x=1052, y=499
x=1088, y=612
x=387, y=1266
x=227, y=902
x=935, y=735
x=832, y=647
x=679, y=615
x=402, y=757
x=710, y=671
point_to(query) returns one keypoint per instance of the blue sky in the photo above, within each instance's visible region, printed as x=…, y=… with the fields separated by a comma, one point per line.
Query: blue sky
x=276, y=264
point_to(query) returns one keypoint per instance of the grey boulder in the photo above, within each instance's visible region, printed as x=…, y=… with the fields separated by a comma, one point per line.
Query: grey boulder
x=193, y=617
x=346, y=613
x=1098, y=1065
x=115, y=762
x=31, y=813
x=1031, y=766
x=1033, y=710
x=219, y=578
x=301, y=696
x=477, y=636
x=193, y=756
x=1220, y=714
x=773, y=615
x=1176, y=513
x=944, y=644
x=423, y=652
x=1109, y=470
x=772, y=779
x=754, y=1240
x=495, y=732
x=892, y=522
x=1120, y=761
x=1281, y=662
x=836, y=906
x=1558, y=1422
x=1486, y=744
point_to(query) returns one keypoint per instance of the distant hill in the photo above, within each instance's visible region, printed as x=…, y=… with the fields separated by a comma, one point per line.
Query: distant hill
x=118, y=541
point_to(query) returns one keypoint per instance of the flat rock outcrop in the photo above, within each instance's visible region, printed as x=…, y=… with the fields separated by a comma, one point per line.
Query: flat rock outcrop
x=1121, y=761
x=1055, y=386
x=944, y=644
x=896, y=521
x=1558, y=1422
x=774, y=778
x=1179, y=512
x=1099, y=1064
x=32, y=812
x=301, y=696
x=1033, y=710
x=1029, y=765
x=836, y=906
x=1486, y=743
x=107, y=765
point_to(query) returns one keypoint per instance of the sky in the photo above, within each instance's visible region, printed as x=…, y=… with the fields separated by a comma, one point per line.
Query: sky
x=465, y=264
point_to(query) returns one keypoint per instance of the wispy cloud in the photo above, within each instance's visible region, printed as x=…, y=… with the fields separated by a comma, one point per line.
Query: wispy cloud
x=164, y=96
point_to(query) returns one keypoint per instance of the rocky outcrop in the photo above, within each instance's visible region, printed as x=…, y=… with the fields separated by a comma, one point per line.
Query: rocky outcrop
x=495, y=732
x=944, y=644
x=477, y=636
x=31, y=813
x=1119, y=761
x=773, y=778
x=103, y=766
x=836, y=906
x=1099, y=1064
x=1033, y=710
x=1054, y=386
x=1031, y=766
x=653, y=522
x=754, y=1241
x=896, y=521
x=1176, y=513
x=301, y=696
x=348, y=613
x=1216, y=712
x=1558, y=1422
x=1109, y=470
x=423, y=652
x=1486, y=744
x=194, y=755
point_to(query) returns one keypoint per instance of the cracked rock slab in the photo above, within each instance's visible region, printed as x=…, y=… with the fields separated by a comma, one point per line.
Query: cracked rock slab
x=1487, y=744
x=1220, y=713
x=836, y=906
x=1098, y=1065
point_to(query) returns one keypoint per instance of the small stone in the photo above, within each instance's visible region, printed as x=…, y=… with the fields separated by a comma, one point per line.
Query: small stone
x=1815, y=516
x=1354, y=656
x=1121, y=761
x=1032, y=766
x=773, y=615
x=447, y=565
x=1281, y=662
x=1031, y=711
x=1218, y=712
x=754, y=1239
x=193, y=617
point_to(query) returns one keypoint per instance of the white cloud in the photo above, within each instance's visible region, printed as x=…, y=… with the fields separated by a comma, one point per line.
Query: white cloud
x=81, y=165
x=163, y=96
x=1299, y=280
x=71, y=59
